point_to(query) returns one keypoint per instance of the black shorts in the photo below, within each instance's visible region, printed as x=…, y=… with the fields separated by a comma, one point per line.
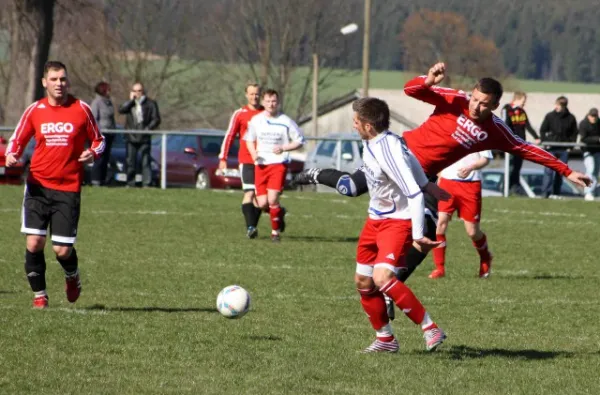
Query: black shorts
x=247, y=173
x=59, y=209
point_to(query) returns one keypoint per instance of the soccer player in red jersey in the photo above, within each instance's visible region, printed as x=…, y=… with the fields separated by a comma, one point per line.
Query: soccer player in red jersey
x=61, y=124
x=271, y=136
x=238, y=125
x=459, y=125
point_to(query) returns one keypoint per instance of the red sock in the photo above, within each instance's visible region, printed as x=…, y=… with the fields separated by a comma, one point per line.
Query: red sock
x=373, y=304
x=405, y=300
x=482, y=249
x=439, y=253
x=275, y=212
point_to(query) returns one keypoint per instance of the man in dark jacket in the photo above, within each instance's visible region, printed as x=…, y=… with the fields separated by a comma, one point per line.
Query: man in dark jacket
x=142, y=114
x=558, y=126
x=589, y=129
x=516, y=118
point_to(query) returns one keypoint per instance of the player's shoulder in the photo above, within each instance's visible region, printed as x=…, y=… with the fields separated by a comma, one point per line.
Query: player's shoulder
x=498, y=123
x=283, y=118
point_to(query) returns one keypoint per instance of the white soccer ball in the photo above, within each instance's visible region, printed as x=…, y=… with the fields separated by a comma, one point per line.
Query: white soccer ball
x=233, y=301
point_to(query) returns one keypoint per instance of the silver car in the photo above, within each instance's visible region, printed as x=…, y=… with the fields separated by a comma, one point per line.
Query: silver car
x=531, y=182
x=344, y=153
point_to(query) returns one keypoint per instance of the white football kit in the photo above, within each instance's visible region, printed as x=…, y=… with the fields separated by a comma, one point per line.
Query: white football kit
x=451, y=172
x=269, y=132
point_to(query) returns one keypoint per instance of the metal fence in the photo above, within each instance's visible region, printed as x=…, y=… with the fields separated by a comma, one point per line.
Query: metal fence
x=165, y=133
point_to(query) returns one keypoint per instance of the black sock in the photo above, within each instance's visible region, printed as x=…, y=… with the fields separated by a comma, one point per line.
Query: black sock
x=414, y=258
x=330, y=177
x=257, y=213
x=69, y=264
x=35, y=268
x=248, y=211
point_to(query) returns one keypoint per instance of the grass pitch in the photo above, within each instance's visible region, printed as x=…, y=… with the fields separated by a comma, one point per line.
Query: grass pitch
x=153, y=261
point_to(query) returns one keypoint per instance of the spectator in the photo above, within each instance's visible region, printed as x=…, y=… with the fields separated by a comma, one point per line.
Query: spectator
x=517, y=120
x=104, y=113
x=589, y=129
x=142, y=114
x=559, y=126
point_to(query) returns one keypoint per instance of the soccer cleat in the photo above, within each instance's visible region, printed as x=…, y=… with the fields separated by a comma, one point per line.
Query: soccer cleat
x=252, y=232
x=381, y=346
x=437, y=273
x=485, y=268
x=275, y=238
x=40, y=302
x=306, y=177
x=389, y=303
x=434, y=337
x=73, y=287
x=282, y=220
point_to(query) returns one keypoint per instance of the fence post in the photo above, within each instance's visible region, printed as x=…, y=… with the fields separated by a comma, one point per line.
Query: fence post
x=338, y=147
x=163, y=162
x=506, y=173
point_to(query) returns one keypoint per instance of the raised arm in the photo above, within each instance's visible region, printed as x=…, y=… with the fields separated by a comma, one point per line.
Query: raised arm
x=425, y=87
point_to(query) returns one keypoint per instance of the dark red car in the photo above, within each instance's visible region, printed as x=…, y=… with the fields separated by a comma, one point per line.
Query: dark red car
x=9, y=175
x=193, y=161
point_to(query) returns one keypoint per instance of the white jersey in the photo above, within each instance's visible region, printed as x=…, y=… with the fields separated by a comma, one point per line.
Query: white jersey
x=451, y=172
x=395, y=178
x=269, y=132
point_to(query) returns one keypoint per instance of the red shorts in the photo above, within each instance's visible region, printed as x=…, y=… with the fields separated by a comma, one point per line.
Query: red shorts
x=384, y=241
x=269, y=177
x=466, y=199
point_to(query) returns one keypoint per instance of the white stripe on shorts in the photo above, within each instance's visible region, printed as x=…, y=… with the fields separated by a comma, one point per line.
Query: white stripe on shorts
x=63, y=239
x=364, y=270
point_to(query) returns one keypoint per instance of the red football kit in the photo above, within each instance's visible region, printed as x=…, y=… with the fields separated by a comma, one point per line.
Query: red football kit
x=449, y=134
x=238, y=125
x=60, y=133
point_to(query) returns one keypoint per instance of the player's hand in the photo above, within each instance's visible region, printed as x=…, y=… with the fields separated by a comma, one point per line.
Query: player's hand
x=537, y=141
x=580, y=179
x=463, y=172
x=86, y=157
x=278, y=149
x=11, y=160
x=425, y=244
x=437, y=192
x=131, y=95
x=436, y=74
x=222, y=164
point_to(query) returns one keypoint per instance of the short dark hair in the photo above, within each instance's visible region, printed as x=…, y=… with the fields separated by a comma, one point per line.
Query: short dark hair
x=490, y=86
x=251, y=84
x=269, y=92
x=54, y=65
x=102, y=88
x=373, y=111
x=562, y=101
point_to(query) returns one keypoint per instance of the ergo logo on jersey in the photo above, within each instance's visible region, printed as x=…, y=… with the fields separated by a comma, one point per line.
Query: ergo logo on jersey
x=57, y=127
x=470, y=127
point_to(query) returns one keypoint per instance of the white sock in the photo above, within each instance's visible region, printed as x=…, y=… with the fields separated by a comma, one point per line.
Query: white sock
x=426, y=321
x=275, y=232
x=41, y=293
x=385, y=331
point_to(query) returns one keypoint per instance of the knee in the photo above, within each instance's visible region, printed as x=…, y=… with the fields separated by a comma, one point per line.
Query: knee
x=382, y=277
x=62, y=252
x=474, y=233
x=35, y=243
x=363, y=282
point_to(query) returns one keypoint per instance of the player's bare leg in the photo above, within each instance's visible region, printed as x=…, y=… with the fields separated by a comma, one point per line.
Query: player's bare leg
x=479, y=240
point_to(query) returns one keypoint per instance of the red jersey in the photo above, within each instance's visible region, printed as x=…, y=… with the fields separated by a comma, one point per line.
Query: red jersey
x=238, y=126
x=60, y=134
x=449, y=134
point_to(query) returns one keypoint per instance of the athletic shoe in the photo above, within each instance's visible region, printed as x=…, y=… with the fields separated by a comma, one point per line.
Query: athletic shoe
x=40, y=302
x=275, y=238
x=485, y=268
x=252, y=232
x=589, y=197
x=73, y=287
x=389, y=302
x=437, y=273
x=282, y=214
x=306, y=177
x=380, y=346
x=434, y=337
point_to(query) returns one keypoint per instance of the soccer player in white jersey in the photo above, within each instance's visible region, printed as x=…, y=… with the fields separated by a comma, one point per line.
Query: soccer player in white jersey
x=395, y=181
x=271, y=136
x=463, y=180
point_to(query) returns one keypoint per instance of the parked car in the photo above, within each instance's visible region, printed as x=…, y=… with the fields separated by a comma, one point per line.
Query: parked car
x=9, y=175
x=531, y=183
x=193, y=161
x=325, y=153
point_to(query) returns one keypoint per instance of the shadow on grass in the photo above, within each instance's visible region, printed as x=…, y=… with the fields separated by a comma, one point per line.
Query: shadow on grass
x=2, y=292
x=466, y=352
x=556, y=277
x=263, y=337
x=153, y=309
x=324, y=239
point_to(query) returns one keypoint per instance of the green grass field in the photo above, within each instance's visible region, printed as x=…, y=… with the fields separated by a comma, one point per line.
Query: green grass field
x=153, y=262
